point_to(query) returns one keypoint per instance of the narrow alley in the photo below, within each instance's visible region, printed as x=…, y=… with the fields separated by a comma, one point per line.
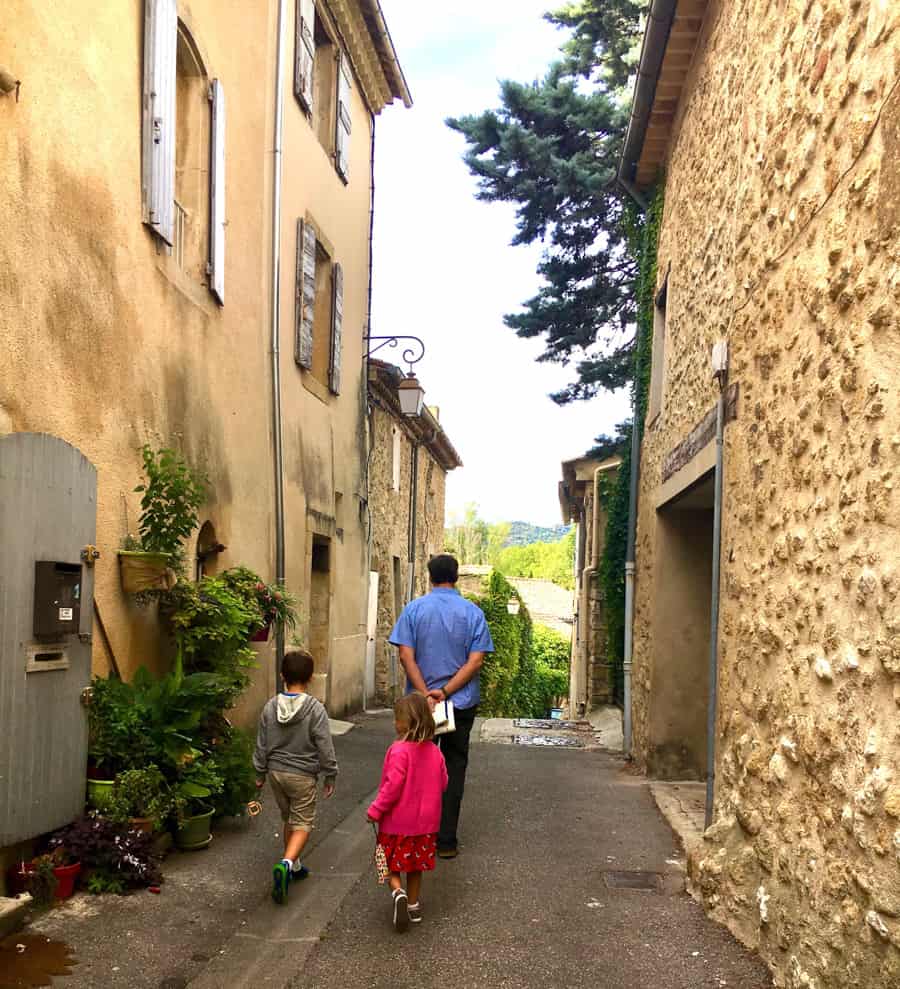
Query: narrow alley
x=530, y=902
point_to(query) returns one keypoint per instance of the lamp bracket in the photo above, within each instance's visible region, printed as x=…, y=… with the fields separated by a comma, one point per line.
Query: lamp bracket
x=409, y=357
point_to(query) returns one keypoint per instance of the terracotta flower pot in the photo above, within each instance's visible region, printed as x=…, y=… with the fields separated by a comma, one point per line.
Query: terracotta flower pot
x=144, y=824
x=66, y=875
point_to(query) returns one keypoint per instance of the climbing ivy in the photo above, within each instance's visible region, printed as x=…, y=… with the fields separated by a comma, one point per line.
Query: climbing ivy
x=643, y=243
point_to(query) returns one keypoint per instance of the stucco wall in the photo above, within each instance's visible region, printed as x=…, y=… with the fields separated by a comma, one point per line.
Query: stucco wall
x=108, y=345
x=781, y=229
x=390, y=536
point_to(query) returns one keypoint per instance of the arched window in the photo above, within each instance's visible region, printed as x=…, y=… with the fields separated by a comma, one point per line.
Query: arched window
x=208, y=549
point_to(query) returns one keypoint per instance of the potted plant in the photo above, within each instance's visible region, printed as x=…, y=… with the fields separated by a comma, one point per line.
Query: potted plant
x=276, y=605
x=40, y=879
x=172, y=493
x=66, y=869
x=117, y=739
x=199, y=783
x=140, y=798
x=114, y=857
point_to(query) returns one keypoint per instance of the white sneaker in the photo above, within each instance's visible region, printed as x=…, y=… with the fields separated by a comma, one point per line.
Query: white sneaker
x=401, y=911
x=415, y=913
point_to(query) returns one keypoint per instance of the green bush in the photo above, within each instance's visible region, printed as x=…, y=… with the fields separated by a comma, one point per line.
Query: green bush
x=232, y=757
x=552, y=648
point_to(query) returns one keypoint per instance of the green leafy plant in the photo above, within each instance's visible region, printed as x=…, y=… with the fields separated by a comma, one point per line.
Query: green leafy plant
x=198, y=783
x=172, y=494
x=40, y=880
x=232, y=759
x=105, y=881
x=141, y=793
x=277, y=606
x=116, y=736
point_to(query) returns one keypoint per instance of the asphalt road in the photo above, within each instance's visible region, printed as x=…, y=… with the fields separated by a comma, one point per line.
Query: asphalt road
x=527, y=905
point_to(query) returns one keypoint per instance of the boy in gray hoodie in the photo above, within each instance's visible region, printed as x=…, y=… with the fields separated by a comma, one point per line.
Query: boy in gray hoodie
x=293, y=745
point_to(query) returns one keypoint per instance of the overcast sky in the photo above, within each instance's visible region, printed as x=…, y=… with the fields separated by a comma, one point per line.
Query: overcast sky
x=444, y=269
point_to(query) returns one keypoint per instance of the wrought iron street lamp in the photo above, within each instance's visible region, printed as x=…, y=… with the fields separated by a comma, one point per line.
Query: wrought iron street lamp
x=512, y=606
x=410, y=393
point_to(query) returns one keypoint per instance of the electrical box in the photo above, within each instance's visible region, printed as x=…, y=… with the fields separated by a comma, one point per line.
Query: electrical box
x=57, y=599
x=720, y=358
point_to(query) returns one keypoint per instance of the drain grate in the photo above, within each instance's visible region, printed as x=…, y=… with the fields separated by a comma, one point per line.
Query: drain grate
x=556, y=741
x=631, y=880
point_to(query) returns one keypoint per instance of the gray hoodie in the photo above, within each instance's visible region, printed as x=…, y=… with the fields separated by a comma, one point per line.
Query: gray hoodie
x=294, y=737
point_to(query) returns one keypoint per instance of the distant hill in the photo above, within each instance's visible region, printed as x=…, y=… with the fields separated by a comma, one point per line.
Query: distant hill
x=524, y=533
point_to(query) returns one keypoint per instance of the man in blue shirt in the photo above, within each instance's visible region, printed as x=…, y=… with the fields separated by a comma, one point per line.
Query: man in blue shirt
x=443, y=639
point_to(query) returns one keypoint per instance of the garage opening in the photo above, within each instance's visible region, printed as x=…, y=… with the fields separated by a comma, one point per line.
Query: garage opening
x=681, y=628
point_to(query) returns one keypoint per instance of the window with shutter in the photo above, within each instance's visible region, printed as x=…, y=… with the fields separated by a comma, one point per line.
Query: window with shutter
x=217, y=194
x=158, y=152
x=305, y=53
x=337, y=319
x=306, y=294
x=342, y=121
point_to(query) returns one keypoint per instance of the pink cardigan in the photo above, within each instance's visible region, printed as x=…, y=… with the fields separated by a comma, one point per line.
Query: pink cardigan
x=412, y=783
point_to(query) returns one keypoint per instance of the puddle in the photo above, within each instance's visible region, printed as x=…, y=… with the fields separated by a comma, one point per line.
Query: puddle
x=560, y=741
x=31, y=960
x=551, y=724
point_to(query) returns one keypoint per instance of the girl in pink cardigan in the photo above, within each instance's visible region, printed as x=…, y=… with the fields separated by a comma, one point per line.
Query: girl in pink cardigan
x=408, y=806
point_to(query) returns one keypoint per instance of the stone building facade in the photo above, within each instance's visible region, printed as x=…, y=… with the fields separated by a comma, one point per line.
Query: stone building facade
x=591, y=680
x=408, y=469
x=777, y=129
x=136, y=278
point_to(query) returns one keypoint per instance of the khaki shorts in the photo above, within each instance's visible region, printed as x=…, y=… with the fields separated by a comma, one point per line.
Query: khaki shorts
x=295, y=795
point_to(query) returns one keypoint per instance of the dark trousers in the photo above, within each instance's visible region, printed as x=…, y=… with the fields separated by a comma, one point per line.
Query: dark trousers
x=455, y=747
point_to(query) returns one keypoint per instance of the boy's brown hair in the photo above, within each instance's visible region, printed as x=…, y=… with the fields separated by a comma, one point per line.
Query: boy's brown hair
x=297, y=667
x=414, y=712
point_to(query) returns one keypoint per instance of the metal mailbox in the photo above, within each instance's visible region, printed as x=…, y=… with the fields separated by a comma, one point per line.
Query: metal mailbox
x=57, y=599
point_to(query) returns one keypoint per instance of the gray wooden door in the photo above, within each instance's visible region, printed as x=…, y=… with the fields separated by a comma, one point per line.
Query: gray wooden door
x=48, y=511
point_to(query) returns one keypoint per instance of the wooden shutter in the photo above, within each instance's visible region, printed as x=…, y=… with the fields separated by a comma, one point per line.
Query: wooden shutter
x=306, y=294
x=342, y=123
x=305, y=53
x=158, y=151
x=337, y=321
x=217, y=194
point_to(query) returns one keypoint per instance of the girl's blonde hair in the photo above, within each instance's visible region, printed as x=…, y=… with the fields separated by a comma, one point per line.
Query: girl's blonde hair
x=414, y=712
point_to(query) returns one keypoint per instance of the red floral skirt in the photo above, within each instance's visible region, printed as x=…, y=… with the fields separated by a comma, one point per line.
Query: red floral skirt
x=409, y=853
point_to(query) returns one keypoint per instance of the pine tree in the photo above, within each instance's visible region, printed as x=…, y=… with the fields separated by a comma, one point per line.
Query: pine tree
x=552, y=148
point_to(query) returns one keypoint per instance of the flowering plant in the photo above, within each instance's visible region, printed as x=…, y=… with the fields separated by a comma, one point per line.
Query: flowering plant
x=123, y=855
x=277, y=606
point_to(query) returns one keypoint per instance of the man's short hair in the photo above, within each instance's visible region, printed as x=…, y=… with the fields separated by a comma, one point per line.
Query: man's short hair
x=443, y=569
x=297, y=667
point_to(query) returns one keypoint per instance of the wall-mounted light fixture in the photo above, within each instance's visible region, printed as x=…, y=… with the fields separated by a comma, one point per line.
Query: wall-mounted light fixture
x=409, y=392
x=513, y=605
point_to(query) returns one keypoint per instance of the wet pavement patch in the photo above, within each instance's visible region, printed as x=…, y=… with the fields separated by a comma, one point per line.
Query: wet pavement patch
x=31, y=960
x=631, y=880
x=551, y=724
x=556, y=741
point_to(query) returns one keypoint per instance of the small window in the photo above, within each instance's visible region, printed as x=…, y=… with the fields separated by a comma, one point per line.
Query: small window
x=324, y=86
x=192, y=160
x=658, y=357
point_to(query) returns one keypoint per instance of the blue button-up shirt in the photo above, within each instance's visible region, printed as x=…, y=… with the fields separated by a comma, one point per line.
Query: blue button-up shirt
x=443, y=628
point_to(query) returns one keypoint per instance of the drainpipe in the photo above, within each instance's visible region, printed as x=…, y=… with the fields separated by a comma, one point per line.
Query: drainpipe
x=720, y=371
x=629, y=578
x=413, y=502
x=275, y=304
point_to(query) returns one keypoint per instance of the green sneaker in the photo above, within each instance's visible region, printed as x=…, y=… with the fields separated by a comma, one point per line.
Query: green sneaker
x=281, y=877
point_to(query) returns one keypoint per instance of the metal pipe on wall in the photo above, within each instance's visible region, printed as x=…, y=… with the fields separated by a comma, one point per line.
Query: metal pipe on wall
x=275, y=303
x=413, y=502
x=627, y=726
x=712, y=702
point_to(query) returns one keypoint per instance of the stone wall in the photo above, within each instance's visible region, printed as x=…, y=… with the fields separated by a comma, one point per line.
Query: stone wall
x=390, y=536
x=780, y=233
